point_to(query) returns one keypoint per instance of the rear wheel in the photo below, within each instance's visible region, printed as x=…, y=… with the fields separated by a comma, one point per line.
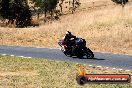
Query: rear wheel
x=89, y=53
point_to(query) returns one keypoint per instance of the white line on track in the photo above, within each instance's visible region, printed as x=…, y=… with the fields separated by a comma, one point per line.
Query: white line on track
x=90, y=65
x=21, y=56
x=99, y=66
x=28, y=57
x=107, y=67
x=12, y=55
x=120, y=69
x=3, y=54
x=127, y=70
x=24, y=57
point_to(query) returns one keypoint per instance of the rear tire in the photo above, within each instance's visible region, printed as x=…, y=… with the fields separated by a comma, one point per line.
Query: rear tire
x=90, y=56
x=89, y=53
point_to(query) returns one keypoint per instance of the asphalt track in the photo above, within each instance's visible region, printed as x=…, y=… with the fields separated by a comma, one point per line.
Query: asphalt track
x=101, y=59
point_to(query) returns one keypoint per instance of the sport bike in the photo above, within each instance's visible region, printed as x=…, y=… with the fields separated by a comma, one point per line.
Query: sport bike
x=78, y=48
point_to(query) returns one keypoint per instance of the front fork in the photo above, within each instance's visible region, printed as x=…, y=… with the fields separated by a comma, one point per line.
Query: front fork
x=63, y=48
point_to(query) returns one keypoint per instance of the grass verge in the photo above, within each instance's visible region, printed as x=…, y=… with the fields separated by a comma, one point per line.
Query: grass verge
x=42, y=73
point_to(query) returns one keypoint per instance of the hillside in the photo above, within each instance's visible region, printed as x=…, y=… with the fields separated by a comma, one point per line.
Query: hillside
x=106, y=27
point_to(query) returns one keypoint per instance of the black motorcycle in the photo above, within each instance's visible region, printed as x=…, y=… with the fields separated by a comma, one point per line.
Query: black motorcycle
x=79, y=47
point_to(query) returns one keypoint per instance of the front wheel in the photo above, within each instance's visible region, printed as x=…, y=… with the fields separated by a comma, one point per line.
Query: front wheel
x=67, y=53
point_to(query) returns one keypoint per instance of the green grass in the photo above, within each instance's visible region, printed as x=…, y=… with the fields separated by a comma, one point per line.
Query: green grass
x=42, y=73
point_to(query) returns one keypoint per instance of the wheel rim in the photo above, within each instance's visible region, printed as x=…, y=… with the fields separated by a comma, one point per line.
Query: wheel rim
x=90, y=55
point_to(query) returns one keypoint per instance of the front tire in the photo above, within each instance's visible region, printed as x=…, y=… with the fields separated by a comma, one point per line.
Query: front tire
x=66, y=53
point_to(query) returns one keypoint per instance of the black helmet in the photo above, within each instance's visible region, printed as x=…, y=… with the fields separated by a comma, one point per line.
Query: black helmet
x=68, y=33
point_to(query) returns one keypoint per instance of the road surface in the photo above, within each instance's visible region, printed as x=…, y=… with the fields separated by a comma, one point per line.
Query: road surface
x=101, y=59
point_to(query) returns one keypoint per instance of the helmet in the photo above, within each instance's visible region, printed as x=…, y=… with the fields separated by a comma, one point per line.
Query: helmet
x=68, y=33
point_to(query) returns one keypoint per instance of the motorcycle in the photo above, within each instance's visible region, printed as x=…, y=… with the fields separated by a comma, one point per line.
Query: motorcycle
x=79, y=47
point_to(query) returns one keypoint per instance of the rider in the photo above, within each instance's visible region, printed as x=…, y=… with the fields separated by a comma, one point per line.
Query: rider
x=67, y=40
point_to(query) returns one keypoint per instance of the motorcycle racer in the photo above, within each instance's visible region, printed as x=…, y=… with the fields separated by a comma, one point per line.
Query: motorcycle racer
x=68, y=40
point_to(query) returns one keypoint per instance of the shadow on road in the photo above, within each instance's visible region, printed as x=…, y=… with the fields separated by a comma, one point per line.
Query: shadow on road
x=92, y=58
x=89, y=58
x=97, y=59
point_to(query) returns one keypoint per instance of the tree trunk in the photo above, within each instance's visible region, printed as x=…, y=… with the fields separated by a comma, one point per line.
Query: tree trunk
x=73, y=6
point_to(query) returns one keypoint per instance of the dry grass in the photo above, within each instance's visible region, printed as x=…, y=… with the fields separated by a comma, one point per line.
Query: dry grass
x=43, y=73
x=106, y=29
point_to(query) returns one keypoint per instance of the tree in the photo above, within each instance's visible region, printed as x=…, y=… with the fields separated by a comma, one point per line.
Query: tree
x=16, y=10
x=120, y=1
x=23, y=14
x=75, y=5
x=4, y=10
x=46, y=5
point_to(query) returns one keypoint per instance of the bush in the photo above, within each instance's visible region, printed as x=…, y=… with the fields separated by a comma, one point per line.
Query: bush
x=24, y=17
x=4, y=8
x=16, y=10
x=46, y=5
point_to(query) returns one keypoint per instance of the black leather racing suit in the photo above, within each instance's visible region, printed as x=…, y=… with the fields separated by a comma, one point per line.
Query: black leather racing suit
x=69, y=43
